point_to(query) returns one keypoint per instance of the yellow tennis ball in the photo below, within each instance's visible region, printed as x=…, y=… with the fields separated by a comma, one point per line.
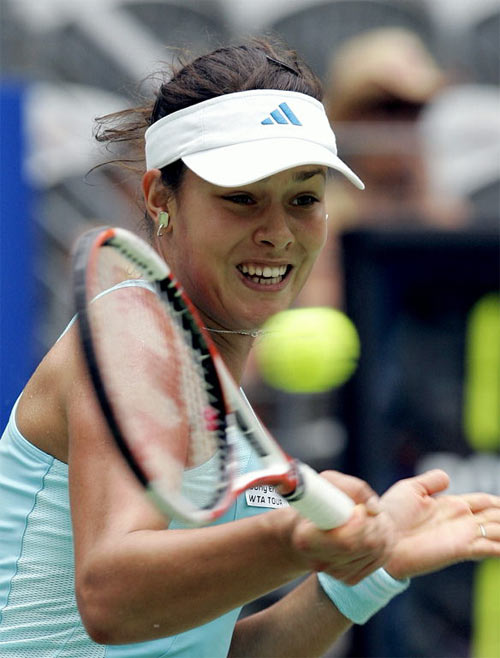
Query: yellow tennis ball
x=308, y=350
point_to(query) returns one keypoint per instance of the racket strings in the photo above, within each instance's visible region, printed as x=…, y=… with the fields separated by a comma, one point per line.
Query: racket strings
x=130, y=339
x=159, y=377
x=206, y=414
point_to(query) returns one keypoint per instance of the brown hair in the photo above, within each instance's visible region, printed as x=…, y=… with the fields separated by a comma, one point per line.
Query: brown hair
x=258, y=63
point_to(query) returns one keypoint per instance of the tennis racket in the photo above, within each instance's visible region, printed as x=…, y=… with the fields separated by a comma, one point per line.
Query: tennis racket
x=170, y=402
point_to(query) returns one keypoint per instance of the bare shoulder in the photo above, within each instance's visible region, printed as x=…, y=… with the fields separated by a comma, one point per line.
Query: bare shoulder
x=42, y=411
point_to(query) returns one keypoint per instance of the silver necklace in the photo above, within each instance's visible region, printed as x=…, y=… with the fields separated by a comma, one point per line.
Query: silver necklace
x=242, y=332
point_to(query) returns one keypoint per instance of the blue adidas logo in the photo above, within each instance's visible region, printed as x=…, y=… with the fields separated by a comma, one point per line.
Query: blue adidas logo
x=283, y=115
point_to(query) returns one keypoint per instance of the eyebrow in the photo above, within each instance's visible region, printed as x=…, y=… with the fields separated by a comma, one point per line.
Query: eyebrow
x=301, y=176
x=306, y=175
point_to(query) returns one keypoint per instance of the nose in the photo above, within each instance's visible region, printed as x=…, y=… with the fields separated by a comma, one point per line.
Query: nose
x=274, y=230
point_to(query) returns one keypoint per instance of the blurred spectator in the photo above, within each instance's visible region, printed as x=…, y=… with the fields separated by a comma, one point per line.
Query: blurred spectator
x=461, y=129
x=378, y=85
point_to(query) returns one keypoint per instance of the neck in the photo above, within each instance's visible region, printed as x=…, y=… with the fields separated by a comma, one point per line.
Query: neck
x=234, y=347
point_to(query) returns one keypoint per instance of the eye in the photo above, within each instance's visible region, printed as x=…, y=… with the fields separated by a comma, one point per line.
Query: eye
x=305, y=200
x=240, y=198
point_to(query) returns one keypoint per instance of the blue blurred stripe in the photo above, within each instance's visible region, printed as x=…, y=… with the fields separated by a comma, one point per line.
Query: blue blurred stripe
x=17, y=287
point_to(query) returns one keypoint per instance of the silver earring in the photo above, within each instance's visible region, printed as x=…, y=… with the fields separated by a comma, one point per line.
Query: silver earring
x=326, y=217
x=163, y=220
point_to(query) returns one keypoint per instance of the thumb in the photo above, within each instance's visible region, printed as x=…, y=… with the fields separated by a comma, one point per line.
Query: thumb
x=357, y=489
x=433, y=481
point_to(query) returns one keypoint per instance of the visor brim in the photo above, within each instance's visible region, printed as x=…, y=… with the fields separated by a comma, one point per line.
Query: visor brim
x=247, y=162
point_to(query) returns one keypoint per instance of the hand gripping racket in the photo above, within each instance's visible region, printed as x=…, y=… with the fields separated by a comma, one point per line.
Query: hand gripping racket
x=169, y=400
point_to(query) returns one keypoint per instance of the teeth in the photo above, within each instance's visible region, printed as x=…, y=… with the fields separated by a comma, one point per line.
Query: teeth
x=266, y=271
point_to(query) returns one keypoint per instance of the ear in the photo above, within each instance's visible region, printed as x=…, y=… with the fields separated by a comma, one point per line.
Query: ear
x=154, y=192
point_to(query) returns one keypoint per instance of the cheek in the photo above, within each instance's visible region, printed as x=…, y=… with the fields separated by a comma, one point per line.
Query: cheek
x=199, y=281
x=315, y=235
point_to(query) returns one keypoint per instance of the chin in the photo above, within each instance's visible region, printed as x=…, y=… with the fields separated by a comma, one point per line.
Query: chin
x=257, y=320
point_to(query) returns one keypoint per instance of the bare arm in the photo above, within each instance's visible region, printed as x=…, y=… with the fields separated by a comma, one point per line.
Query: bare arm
x=136, y=580
x=130, y=567
x=303, y=623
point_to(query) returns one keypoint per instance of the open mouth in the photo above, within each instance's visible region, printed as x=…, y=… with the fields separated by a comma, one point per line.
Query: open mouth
x=264, y=274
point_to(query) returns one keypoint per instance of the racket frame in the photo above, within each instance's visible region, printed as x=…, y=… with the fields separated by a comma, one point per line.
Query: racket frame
x=302, y=486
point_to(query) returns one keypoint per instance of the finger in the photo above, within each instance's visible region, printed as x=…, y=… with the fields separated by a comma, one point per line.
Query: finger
x=362, y=538
x=489, y=531
x=488, y=514
x=480, y=501
x=364, y=572
x=485, y=548
x=345, y=566
x=363, y=529
x=355, y=572
x=322, y=544
x=357, y=489
x=433, y=481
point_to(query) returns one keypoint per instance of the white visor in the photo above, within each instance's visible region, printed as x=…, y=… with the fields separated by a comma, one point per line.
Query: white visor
x=240, y=138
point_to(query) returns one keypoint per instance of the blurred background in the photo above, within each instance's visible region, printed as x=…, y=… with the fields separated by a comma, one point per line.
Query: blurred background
x=412, y=88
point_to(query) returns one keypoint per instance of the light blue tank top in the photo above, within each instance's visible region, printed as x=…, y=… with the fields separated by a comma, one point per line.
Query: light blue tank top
x=38, y=613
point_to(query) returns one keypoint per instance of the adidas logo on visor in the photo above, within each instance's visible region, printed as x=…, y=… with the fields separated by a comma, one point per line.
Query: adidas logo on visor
x=283, y=115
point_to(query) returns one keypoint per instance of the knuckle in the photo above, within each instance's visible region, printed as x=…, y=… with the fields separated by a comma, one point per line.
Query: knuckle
x=459, y=506
x=363, y=491
x=376, y=544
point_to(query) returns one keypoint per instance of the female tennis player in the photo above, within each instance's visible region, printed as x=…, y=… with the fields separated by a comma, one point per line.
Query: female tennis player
x=237, y=153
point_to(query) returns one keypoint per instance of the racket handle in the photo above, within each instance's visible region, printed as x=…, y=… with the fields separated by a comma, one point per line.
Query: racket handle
x=320, y=501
